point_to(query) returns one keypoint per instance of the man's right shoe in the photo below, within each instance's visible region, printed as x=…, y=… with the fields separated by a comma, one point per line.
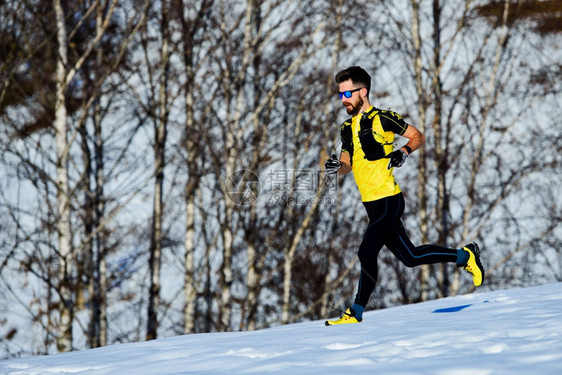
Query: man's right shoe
x=473, y=265
x=347, y=318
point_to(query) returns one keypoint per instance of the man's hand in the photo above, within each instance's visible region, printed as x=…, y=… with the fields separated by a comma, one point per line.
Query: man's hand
x=397, y=159
x=332, y=165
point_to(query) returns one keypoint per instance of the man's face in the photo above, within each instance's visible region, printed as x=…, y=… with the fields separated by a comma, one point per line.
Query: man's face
x=355, y=102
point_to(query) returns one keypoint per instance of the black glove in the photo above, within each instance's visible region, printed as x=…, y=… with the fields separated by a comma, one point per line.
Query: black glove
x=332, y=165
x=397, y=159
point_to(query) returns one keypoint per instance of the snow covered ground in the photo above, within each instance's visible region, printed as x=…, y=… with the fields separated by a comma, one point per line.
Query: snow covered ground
x=516, y=331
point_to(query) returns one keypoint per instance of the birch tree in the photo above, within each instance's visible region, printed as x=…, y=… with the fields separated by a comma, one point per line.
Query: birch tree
x=66, y=308
x=194, y=23
x=459, y=110
x=157, y=109
x=65, y=74
x=81, y=68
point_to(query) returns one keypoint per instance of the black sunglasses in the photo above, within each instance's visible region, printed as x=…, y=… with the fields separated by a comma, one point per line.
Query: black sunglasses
x=348, y=93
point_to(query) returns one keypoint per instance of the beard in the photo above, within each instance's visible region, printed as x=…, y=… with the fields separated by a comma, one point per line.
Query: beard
x=354, y=109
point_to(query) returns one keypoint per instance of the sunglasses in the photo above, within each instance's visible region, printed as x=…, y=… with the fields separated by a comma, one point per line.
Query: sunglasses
x=348, y=93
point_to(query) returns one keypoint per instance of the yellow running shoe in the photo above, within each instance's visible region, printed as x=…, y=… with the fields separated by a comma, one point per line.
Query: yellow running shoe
x=347, y=318
x=473, y=265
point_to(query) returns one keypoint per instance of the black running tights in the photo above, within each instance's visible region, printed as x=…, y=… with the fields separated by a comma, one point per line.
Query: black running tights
x=385, y=228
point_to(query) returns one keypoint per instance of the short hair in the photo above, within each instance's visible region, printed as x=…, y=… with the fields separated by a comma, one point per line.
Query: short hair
x=357, y=75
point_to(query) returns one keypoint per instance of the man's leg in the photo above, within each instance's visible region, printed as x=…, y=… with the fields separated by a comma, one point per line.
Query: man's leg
x=381, y=219
x=468, y=257
x=382, y=216
x=399, y=243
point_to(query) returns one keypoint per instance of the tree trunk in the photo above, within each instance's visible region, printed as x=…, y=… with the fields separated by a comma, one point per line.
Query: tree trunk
x=66, y=304
x=440, y=149
x=422, y=174
x=232, y=137
x=327, y=292
x=159, y=163
x=190, y=27
x=190, y=292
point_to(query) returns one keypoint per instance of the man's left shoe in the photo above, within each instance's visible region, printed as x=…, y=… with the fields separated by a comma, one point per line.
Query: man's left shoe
x=473, y=265
x=347, y=318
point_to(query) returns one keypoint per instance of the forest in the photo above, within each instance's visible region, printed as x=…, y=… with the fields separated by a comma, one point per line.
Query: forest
x=162, y=162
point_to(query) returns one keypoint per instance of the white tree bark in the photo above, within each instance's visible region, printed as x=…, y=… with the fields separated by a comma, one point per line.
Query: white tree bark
x=66, y=304
x=422, y=175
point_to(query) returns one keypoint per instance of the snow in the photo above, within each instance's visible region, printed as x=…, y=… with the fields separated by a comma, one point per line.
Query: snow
x=517, y=331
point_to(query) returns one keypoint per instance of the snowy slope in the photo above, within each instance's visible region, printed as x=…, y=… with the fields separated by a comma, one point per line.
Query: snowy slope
x=503, y=332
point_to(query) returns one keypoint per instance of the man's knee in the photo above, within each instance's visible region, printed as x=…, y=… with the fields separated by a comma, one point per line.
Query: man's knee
x=363, y=254
x=405, y=257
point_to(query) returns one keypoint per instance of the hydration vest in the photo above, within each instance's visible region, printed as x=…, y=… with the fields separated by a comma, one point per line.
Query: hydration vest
x=372, y=143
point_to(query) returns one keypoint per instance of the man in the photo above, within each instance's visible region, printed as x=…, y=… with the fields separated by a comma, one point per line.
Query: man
x=367, y=150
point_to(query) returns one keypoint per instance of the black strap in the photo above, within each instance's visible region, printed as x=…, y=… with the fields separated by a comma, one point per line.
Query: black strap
x=373, y=150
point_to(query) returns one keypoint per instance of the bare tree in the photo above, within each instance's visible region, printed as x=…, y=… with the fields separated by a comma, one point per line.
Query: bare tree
x=463, y=149
x=193, y=23
x=80, y=263
x=66, y=305
x=160, y=132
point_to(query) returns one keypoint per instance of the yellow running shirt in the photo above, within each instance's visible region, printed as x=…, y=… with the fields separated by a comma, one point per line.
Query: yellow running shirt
x=373, y=179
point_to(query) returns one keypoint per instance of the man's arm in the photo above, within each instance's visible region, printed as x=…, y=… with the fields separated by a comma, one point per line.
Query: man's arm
x=345, y=161
x=416, y=139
